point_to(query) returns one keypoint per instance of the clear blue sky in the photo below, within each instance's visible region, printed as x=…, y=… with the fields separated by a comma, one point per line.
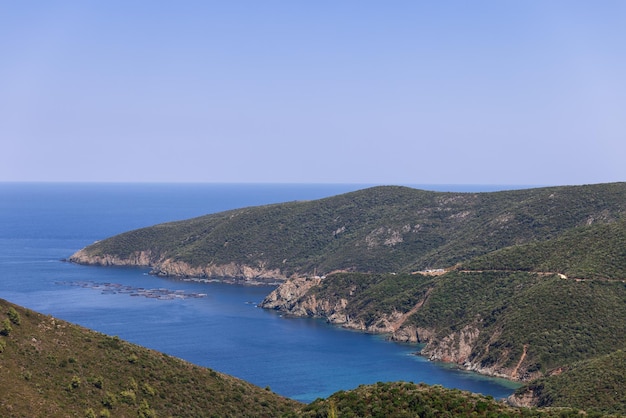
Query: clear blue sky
x=355, y=91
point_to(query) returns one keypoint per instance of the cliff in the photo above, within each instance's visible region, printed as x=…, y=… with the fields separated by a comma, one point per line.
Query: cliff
x=167, y=267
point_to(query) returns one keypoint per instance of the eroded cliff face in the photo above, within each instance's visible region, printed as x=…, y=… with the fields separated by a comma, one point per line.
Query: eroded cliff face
x=137, y=259
x=231, y=270
x=168, y=267
x=297, y=297
x=294, y=297
x=526, y=399
x=453, y=348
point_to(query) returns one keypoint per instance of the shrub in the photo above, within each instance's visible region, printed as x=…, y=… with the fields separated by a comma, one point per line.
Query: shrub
x=110, y=400
x=6, y=328
x=14, y=316
x=145, y=411
x=75, y=383
x=128, y=396
x=148, y=390
x=98, y=382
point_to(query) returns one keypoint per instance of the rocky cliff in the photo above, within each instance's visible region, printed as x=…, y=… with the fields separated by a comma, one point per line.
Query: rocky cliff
x=299, y=297
x=294, y=297
x=167, y=267
x=137, y=259
x=463, y=348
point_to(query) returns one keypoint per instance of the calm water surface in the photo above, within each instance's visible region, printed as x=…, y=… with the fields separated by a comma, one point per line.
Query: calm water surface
x=300, y=358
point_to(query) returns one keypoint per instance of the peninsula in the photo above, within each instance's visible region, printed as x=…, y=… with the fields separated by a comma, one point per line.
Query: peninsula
x=523, y=284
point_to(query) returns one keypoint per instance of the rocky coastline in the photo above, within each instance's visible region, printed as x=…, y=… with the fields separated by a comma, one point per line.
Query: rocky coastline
x=293, y=297
x=228, y=273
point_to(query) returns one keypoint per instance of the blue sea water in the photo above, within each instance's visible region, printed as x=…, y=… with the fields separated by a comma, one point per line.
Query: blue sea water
x=40, y=224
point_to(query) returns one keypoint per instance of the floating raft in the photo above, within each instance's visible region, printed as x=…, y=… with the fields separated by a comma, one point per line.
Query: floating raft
x=117, y=288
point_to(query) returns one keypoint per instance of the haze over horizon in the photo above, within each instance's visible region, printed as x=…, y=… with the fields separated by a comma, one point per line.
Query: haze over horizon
x=452, y=92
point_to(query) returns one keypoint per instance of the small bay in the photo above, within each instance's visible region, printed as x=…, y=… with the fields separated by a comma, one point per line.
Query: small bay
x=220, y=326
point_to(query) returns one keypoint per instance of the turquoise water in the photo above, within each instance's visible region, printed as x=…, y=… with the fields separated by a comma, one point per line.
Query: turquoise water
x=40, y=224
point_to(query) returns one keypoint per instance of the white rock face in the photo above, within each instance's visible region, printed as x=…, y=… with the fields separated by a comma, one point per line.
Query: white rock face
x=169, y=267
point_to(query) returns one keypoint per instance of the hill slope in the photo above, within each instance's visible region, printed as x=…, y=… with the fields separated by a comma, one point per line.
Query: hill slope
x=598, y=384
x=409, y=400
x=535, y=281
x=591, y=252
x=51, y=368
x=381, y=229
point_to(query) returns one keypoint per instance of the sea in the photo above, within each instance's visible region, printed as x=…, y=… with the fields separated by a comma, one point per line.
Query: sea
x=214, y=325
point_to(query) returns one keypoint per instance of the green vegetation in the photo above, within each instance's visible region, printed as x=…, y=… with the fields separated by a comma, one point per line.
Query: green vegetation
x=380, y=230
x=558, y=321
x=590, y=252
x=51, y=368
x=418, y=400
x=597, y=385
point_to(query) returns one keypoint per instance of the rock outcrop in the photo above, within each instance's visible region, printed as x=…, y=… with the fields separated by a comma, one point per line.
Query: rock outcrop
x=137, y=259
x=230, y=271
x=295, y=297
x=526, y=399
x=173, y=268
x=453, y=348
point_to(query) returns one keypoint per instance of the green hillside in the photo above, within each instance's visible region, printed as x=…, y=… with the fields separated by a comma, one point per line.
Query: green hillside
x=598, y=384
x=50, y=368
x=408, y=400
x=589, y=252
x=380, y=229
x=525, y=321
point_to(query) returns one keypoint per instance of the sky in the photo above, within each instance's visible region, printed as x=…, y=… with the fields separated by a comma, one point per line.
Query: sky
x=527, y=92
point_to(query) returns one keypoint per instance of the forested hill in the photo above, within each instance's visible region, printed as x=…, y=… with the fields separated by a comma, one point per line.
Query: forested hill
x=379, y=229
x=596, y=251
